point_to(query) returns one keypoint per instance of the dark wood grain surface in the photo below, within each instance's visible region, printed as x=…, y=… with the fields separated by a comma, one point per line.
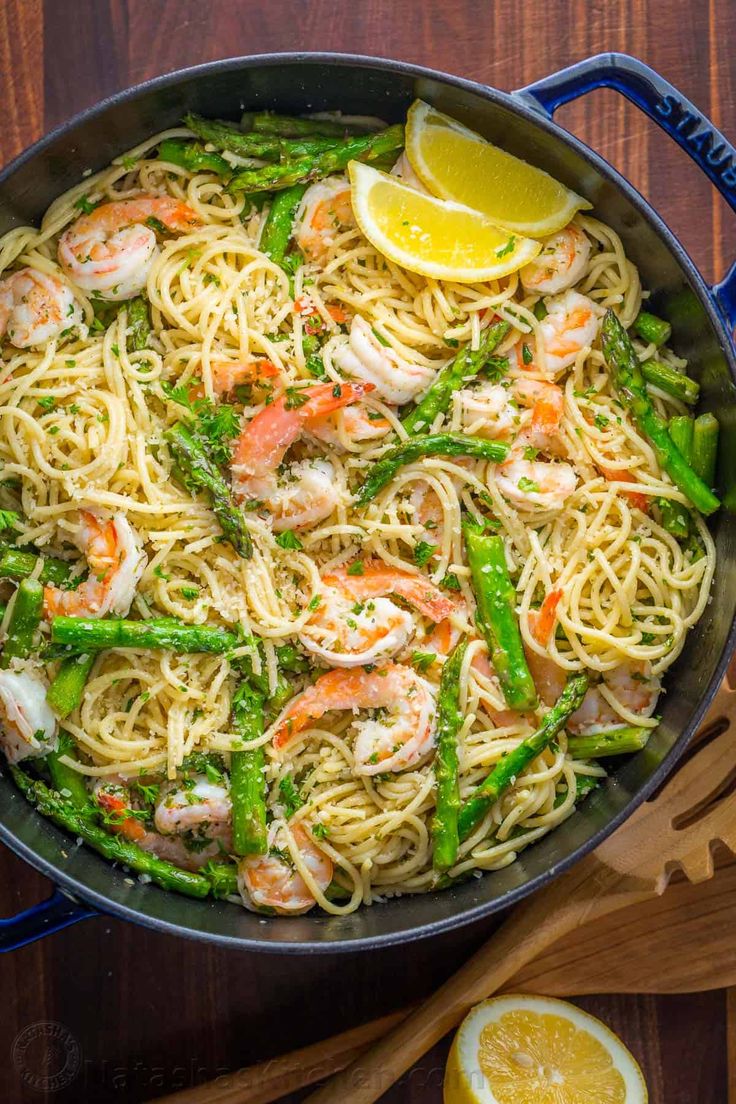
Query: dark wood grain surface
x=152, y=1014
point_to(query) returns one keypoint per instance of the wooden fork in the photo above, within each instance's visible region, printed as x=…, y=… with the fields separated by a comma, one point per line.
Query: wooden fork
x=676, y=830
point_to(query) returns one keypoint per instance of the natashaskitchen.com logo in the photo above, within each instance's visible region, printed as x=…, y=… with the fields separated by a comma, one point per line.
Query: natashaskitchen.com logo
x=46, y=1056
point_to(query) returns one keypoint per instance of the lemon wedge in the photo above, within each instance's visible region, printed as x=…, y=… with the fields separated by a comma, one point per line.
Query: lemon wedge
x=455, y=163
x=432, y=236
x=536, y=1050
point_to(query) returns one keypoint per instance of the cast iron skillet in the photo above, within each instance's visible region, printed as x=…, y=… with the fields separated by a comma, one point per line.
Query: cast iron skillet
x=703, y=319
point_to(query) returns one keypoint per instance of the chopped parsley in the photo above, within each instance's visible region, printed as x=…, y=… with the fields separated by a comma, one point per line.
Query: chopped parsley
x=450, y=582
x=356, y=568
x=528, y=486
x=189, y=592
x=507, y=248
x=295, y=397
x=85, y=205
x=158, y=571
x=526, y=354
x=600, y=421
x=422, y=661
x=47, y=402
x=289, y=539
x=290, y=795
x=423, y=552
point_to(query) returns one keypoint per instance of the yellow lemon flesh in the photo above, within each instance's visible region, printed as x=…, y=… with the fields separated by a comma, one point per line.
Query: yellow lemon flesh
x=536, y=1050
x=430, y=236
x=457, y=164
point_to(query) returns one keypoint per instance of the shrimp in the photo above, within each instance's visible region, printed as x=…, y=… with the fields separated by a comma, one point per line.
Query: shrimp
x=560, y=264
x=117, y=562
x=325, y=208
x=400, y=736
x=631, y=684
x=356, y=624
x=492, y=409
x=111, y=250
x=531, y=484
x=199, y=804
x=306, y=492
x=36, y=308
x=405, y=173
x=364, y=356
x=28, y=726
x=572, y=322
x=272, y=881
x=229, y=374
x=358, y=423
x=188, y=842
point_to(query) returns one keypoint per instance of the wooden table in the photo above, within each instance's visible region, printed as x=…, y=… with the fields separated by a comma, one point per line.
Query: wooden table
x=151, y=1014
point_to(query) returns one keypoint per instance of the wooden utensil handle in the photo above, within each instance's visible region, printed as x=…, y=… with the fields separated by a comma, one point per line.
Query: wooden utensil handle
x=586, y=892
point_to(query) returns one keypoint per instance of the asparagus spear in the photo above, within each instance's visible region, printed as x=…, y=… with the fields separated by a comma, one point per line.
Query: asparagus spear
x=629, y=381
x=454, y=375
x=681, y=432
x=24, y=622
x=89, y=634
x=705, y=447
x=67, y=782
x=313, y=166
x=438, y=444
x=292, y=126
x=65, y=692
x=247, y=777
x=280, y=223
x=193, y=156
x=496, y=615
x=449, y=722
x=650, y=328
x=80, y=823
x=139, y=324
x=266, y=147
x=615, y=741
x=17, y=564
x=508, y=769
x=200, y=474
x=671, y=381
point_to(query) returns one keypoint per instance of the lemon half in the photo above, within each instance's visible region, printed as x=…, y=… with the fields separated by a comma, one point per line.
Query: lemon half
x=455, y=163
x=537, y=1050
x=432, y=236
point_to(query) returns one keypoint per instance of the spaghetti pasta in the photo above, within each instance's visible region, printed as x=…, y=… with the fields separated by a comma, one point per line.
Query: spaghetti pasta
x=82, y=423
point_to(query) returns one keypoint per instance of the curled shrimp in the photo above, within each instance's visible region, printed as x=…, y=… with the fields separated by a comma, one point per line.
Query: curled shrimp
x=116, y=562
x=560, y=264
x=272, y=881
x=306, y=491
x=188, y=845
x=364, y=356
x=325, y=209
x=111, y=249
x=400, y=736
x=631, y=687
x=572, y=323
x=27, y=725
x=492, y=410
x=356, y=623
x=36, y=308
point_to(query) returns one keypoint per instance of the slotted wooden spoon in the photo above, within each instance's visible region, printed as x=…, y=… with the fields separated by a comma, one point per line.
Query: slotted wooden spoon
x=676, y=830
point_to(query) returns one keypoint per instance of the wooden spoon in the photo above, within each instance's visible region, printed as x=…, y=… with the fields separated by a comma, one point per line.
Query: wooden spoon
x=676, y=829
x=647, y=948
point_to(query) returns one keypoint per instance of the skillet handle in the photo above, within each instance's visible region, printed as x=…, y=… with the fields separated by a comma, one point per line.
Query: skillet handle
x=674, y=113
x=56, y=912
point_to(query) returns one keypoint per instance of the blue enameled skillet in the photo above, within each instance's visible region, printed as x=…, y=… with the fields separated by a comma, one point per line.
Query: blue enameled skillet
x=703, y=318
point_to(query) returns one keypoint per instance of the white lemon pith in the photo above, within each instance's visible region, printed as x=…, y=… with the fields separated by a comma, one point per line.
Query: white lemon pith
x=457, y=164
x=431, y=236
x=537, y=1050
